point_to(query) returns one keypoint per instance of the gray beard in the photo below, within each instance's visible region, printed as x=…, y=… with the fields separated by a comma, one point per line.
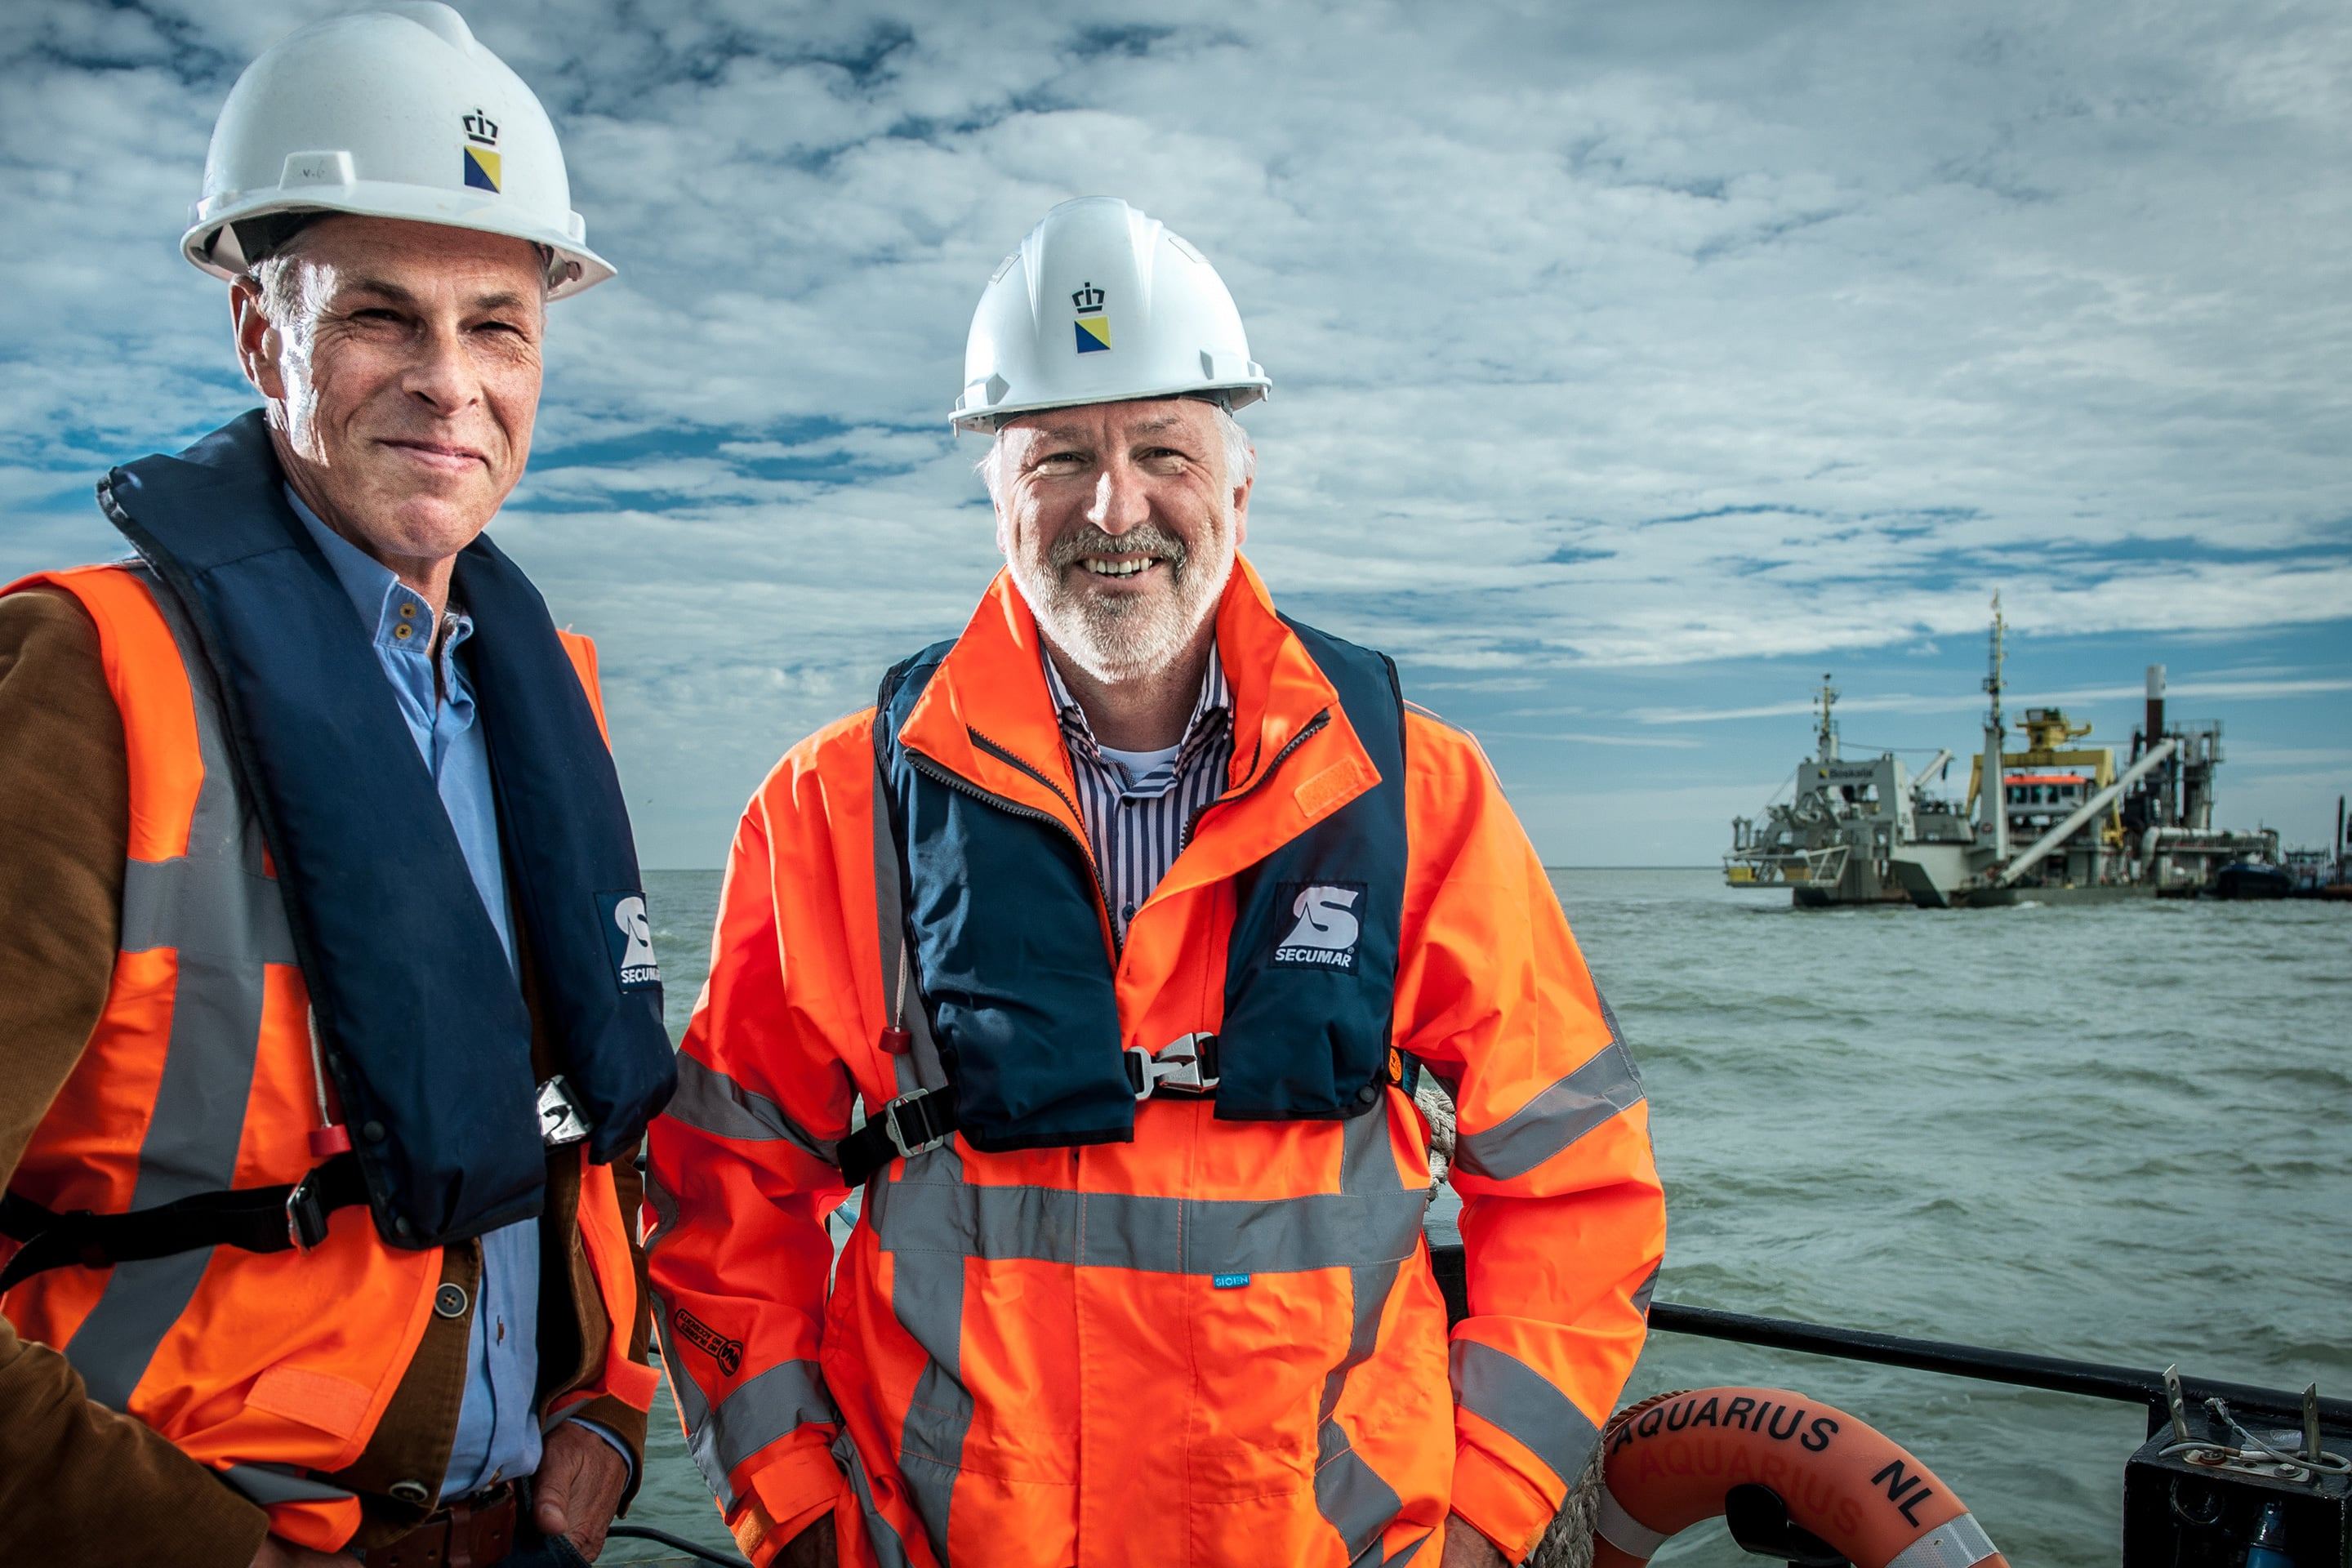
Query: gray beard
x=1122, y=638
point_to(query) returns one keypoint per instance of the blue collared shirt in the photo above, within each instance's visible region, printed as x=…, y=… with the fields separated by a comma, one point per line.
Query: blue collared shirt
x=497, y=1427
x=1138, y=807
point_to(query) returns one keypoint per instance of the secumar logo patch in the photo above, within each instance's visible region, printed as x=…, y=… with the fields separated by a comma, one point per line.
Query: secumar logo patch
x=1325, y=928
x=727, y=1352
x=629, y=937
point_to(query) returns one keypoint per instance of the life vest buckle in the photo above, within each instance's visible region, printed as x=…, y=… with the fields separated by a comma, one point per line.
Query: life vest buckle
x=560, y=1120
x=1185, y=1065
x=306, y=1213
x=927, y=1136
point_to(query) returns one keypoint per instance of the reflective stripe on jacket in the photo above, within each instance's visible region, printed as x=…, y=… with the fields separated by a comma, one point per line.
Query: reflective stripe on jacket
x=1220, y=1343
x=276, y=1368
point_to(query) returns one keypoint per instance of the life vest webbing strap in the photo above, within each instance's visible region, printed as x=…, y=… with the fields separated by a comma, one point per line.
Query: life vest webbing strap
x=914, y=1123
x=251, y=1219
x=904, y=1127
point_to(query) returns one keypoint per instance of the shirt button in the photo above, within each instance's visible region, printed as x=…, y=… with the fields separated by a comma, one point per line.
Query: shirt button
x=449, y=1301
x=401, y=631
x=1127, y=913
x=407, y=609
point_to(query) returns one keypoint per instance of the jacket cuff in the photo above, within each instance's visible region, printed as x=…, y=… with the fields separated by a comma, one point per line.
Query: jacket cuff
x=1500, y=1503
x=624, y=1424
x=786, y=1495
x=765, y=1542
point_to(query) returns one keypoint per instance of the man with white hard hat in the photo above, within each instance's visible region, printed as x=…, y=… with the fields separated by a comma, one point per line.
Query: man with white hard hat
x=331, y=1048
x=1130, y=917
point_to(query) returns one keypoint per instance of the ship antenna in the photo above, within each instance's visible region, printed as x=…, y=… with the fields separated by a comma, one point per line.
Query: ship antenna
x=1993, y=681
x=1992, y=783
x=1825, y=731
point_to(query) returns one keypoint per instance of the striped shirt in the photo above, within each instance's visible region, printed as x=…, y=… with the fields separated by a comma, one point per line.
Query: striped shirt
x=1137, y=826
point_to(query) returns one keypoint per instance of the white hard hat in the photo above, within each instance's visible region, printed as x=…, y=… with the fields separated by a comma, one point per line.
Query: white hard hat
x=1101, y=304
x=394, y=112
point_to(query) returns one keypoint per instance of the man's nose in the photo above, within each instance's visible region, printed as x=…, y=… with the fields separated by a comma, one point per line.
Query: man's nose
x=441, y=373
x=1121, y=501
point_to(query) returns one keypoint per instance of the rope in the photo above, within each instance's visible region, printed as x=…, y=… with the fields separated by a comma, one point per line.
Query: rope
x=2253, y=1449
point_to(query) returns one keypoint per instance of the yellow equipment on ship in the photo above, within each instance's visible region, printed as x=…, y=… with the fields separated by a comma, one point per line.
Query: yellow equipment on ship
x=2049, y=745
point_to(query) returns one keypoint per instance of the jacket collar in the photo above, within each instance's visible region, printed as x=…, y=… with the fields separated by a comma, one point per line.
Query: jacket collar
x=987, y=716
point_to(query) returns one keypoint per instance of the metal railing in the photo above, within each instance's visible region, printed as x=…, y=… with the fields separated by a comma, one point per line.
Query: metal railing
x=2058, y=1375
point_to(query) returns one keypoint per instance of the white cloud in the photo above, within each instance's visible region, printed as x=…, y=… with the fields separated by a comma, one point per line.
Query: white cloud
x=1603, y=338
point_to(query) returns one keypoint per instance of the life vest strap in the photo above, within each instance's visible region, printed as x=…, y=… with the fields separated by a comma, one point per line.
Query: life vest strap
x=916, y=1123
x=251, y=1219
x=909, y=1125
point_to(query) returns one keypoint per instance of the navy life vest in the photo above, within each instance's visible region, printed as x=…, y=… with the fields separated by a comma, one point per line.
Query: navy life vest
x=422, y=1024
x=1008, y=948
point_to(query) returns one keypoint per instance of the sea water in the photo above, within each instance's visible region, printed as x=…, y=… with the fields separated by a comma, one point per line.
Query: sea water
x=2121, y=1132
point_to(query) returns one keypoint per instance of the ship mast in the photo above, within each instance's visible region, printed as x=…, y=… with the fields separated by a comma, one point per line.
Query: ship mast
x=1825, y=730
x=1992, y=784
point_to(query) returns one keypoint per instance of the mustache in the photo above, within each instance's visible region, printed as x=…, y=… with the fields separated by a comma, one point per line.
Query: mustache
x=1145, y=539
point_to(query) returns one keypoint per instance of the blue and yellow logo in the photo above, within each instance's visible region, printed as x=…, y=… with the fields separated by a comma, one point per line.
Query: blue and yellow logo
x=482, y=169
x=1094, y=326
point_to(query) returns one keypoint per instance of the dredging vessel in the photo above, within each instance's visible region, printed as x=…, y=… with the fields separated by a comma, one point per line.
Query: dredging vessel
x=2062, y=823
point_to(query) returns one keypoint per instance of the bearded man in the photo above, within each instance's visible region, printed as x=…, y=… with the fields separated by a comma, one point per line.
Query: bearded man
x=1128, y=917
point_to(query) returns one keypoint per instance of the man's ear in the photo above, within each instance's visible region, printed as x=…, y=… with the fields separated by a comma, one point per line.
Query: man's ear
x=1241, y=511
x=258, y=344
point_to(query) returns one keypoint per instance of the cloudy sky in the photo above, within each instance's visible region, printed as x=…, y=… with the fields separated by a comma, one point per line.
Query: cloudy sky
x=1634, y=365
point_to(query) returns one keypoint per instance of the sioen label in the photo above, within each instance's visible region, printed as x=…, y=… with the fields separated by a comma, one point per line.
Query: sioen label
x=1229, y=1282
x=727, y=1352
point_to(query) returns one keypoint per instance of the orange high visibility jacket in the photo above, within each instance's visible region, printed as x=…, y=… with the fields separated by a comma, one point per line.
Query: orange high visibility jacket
x=199, y=1075
x=1034, y=1357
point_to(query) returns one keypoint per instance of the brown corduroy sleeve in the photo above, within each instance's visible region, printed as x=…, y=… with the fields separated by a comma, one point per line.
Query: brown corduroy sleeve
x=79, y=1483
x=624, y=1421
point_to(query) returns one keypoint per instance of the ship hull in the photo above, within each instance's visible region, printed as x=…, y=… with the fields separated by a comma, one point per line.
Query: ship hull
x=1833, y=899
x=2004, y=898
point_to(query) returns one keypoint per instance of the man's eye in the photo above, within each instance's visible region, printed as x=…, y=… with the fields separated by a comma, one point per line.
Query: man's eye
x=374, y=313
x=1061, y=462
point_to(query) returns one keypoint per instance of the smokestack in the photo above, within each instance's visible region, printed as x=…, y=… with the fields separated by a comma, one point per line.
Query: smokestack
x=2155, y=703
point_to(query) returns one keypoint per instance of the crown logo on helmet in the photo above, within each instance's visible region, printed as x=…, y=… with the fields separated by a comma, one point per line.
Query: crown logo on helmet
x=481, y=129
x=1088, y=299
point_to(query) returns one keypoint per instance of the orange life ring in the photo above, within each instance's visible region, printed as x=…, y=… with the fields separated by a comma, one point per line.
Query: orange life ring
x=1670, y=1459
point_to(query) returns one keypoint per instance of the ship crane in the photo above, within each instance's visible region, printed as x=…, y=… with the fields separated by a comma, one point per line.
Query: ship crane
x=2083, y=813
x=1867, y=831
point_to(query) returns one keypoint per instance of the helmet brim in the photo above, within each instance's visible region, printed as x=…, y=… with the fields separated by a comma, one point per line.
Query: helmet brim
x=212, y=248
x=1233, y=394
